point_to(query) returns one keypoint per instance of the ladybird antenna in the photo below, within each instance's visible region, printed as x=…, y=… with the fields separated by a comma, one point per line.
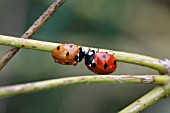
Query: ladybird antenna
x=97, y=49
x=89, y=48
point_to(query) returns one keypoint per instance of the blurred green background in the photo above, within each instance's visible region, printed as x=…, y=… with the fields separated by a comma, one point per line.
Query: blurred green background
x=136, y=26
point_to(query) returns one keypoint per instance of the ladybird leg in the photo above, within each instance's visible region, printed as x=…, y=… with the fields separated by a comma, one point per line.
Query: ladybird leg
x=74, y=63
x=56, y=61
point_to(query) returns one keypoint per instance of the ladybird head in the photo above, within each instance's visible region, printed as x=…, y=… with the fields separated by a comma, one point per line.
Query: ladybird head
x=89, y=56
x=81, y=54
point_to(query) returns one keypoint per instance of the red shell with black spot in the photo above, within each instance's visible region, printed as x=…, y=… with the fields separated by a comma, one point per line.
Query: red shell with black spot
x=103, y=63
x=66, y=54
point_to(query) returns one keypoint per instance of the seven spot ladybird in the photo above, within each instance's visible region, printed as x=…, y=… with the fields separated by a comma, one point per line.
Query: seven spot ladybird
x=100, y=62
x=68, y=54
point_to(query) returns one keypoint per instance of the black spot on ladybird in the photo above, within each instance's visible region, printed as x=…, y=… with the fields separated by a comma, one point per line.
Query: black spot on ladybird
x=76, y=58
x=105, y=66
x=67, y=53
x=67, y=62
x=58, y=48
x=115, y=62
x=104, y=56
x=93, y=65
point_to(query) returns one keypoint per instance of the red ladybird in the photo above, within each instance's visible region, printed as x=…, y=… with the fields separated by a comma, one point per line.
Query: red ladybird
x=100, y=62
x=68, y=54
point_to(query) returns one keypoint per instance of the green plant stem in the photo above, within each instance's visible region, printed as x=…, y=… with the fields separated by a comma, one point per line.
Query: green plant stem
x=36, y=25
x=7, y=91
x=150, y=98
x=48, y=46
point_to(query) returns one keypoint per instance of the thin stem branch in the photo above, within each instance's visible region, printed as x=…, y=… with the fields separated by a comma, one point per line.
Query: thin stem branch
x=48, y=46
x=148, y=99
x=36, y=25
x=7, y=91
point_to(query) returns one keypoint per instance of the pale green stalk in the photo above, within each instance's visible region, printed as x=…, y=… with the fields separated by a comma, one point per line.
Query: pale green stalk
x=7, y=91
x=148, y=99
x=49, y=46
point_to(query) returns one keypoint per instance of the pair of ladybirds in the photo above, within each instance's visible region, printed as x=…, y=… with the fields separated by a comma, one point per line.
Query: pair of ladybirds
x=98, y=62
